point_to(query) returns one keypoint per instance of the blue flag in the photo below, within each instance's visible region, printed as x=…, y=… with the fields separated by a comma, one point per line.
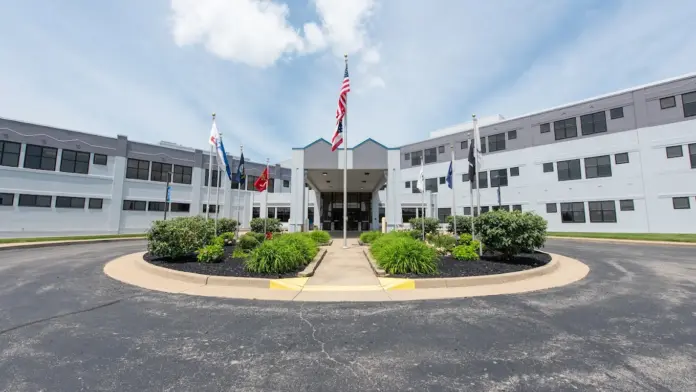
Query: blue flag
x=449, y=176
x=241, y=173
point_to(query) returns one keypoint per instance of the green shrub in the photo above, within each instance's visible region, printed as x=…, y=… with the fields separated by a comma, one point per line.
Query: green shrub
x=465, y=252
x=463, y=224
x=240, y=253
x=228, y=238
x=248, y=242
x=227, y=225
x=369, y=236
x=416, y=234
x=319, y=236
x=211, y=253
x=178, y=237
x=400, y=254
x=218, y=241
x=444, y=241
x=432, y=225
x=511, y=233
x=465, y=239
x=306, y=245
x=273, y=225
x=284, y=254
x=260, y=237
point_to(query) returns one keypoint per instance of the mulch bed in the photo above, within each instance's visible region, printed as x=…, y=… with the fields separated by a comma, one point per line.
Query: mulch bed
x=490, y=264
x=229, y=266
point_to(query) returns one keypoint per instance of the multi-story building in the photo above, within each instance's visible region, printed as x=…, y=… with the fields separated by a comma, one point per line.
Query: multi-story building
x=622, y=162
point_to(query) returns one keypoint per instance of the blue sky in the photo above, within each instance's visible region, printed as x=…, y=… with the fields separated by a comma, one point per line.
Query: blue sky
x=155, y=70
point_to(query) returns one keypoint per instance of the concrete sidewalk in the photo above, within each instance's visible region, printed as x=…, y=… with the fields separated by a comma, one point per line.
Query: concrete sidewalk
x=344, y=267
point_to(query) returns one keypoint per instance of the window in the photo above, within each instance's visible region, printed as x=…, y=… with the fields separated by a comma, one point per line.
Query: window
x=569, y=170
x=160, y=171
x=548, y=167
x=6, y=199
x=283, y=214
x=40, y=158
x=416, y=158
x=256, y=212
x=621, y=158
x=9, y=154
x=70, y=202
x=512, y=135
x=134, y=205
x=545, y=127
x=180, y=207
x=515, y=171
x=137, y=169
x=96, y=204
x=443, y=180
x=602, y=211
x=626, y=205
x=430, y=155
x=565, y=129
x=616, y=113
x=286, y=183
x=675, y=152
x=443, y=213
x=156, y=206
x=504, y=208
x=99, y=159
x=483, y=145
x=692, y=155
x=215, y=179
x=407, y=157
x=483, y=180
x=464, y=145
x=182, y=174
x=408, y=184
x=593, y=123
x=689, y=104
x=551, y=208
x=485, y=209
x=667, y=102
x=441, y=149
x=598, y=167
x=74, y=162
x=465, y=177
x=431, y=184
x=407, y=214
x=467, y=210
x=517, y=207
x=573, y=212
x=679, y=203
x=213, y=208
x=496, y=142
x=414, y=187
x=499, y=178
x=35, y=201
x=271, y=212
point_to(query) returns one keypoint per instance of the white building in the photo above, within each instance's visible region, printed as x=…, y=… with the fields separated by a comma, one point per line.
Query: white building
x=623, y=162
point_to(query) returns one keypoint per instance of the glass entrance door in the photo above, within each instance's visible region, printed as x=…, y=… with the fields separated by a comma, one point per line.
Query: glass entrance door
x=359, y=210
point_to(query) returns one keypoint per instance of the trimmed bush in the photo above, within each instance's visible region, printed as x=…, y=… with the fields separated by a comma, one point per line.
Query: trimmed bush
x=273, y=225
x=432, y=225
x=400, y=254
x=465, y=239
x=465, y=252
x=227, y=225
x=228, y=238
x=260, y=237
x=369, y=236
x=211, y=253
x=319, y=236
x=463, y=224
x=511, y=233
x=178, y=237
x=446, y=242
x=281, y=255
x=248, y=242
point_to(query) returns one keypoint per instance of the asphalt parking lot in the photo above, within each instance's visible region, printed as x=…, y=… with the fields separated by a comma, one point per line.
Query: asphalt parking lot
x=630, y=325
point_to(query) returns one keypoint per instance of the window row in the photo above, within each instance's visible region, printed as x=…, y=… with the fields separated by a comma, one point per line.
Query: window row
x=484, y=209
x=678, y=152
x=600, y=211
x=141, y=205
x=497, y=178
x=589, y=124
x=688, y=103
x=138, y=169
x=281, y=213
x=46, y=201
x=595, y=167
x=45, y=158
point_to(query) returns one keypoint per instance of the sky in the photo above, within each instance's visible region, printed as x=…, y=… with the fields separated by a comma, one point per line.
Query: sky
x=271, y=70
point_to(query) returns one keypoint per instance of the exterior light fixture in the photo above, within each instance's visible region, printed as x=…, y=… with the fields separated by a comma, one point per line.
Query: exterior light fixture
x=323, y=174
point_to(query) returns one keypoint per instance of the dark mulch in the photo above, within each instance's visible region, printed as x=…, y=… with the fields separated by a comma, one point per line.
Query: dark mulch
x=229, y=266
x=489, y=264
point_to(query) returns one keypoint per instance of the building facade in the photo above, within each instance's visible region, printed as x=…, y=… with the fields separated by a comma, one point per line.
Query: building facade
x=623, y=162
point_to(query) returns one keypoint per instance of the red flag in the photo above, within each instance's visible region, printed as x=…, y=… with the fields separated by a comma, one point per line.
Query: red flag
x=261, y=183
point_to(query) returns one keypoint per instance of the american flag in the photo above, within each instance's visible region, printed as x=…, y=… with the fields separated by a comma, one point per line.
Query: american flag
x=337, y=138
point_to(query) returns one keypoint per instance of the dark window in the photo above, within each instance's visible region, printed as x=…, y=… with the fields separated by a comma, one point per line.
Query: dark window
x=483, y=180
x=283, y=214
x=679, y=203
x=416, y=158
x=182, y=174
x=160, y=171
x=180, y=207
x=496, y=142
x=499, y=178
x=598, y=167
x=441, y=149
x=430, y=155
x=573, y=212
x=517, y=207
x=213, y=208
x=569, y=170
x=512, y=135
x=551, y=208
x=616, y=113
x=548, y=167
x=74, y=162
x=256, y=212
x=621, y=158
x=6, y=199
x=35, y=201
x=545, y=127
x=286, y=184
x=626, y=205
x=443, y=213
x=485, y=209
x=483, y=145
x=408, y=184
x=515, y=171
x=667, y=102
x=565, y=129
x=270, y=188
x=692, y=155
x=504, y=208
x=99, y=159
x=602, y=211
x=407, y=214
x=155, y=205
x=137, y=169
x=215, y=179
x=134, y=205
x=40, y=158
x=465, y=177
x=464, y=145
x=674, y=152
x=431, y=184
x=407, y=157
x=414, y=187
x=70, y=202
x=95, y=204
x=9, y=154
x=689, y=104
x=467, y=210
x=593, y=123
x=443, y=180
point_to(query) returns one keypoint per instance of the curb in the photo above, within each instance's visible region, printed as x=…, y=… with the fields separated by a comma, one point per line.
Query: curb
x=33, y=245
x=313, y=265
x=621, y=241
x=373, y=264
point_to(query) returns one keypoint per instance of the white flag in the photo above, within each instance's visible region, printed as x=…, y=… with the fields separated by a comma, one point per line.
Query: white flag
x=421, y=178
x=477, y=141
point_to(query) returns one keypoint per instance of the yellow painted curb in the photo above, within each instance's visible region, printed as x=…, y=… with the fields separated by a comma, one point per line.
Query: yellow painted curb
x=293, y=284
x=397, y=284
x=342, y=288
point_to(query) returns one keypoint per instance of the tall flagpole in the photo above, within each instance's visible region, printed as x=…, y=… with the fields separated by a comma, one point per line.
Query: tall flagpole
x=477, y=144
x=345, y=169
x=454, y=198
x=239, y=189
x=422, y=181
x=210, y=177
x=268, y=183
x=471, y=193
x=217, y=190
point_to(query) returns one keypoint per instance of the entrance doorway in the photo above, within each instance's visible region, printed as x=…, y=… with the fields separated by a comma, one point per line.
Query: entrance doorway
x=359, y=211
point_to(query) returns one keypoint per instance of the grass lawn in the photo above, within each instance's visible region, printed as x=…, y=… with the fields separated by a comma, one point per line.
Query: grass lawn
x=632, y=236
x=79, y=237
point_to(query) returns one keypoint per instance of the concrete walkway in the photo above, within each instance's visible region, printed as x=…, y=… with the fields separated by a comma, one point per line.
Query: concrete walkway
x=344, y=267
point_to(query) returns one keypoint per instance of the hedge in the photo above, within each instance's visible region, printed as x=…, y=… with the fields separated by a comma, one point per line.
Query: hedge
x=227, y=225
x=399, y=253
x=179, y=237
x=463, y=224
x=511, y=232
x=432, y=225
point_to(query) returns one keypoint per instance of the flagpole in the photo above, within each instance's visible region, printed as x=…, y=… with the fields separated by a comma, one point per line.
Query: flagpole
x=471, y=194
x=210, y=177
x=345, y=169
x=422, y=181
x=239, y=189
x=477, y=142
x=266, y=197
x=217, y=190
x=454, y=198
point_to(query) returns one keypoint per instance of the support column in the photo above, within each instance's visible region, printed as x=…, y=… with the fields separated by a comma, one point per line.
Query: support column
x=297, y=184
x=119, y=176
x=197, y=183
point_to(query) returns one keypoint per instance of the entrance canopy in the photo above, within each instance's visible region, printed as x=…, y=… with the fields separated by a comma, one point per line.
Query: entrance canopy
x=359, y=180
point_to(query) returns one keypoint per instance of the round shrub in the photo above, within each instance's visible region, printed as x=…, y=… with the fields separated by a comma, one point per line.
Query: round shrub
x=465, y=239
x=178, y=237
x=228, y=238
x=463, y=224
x=511, y=233
x=465, y=252
x=284, y=254
x=210, y=253
x=248, y=242
x=302, y=242
x=273, y=225
x=369, y=236
x=399, y=254
x=319, y=236
x=260, y=237
x=226, y=225
x=432, y=225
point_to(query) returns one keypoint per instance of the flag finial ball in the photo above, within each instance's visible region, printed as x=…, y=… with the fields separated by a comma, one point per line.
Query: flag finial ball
x=213, y=114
